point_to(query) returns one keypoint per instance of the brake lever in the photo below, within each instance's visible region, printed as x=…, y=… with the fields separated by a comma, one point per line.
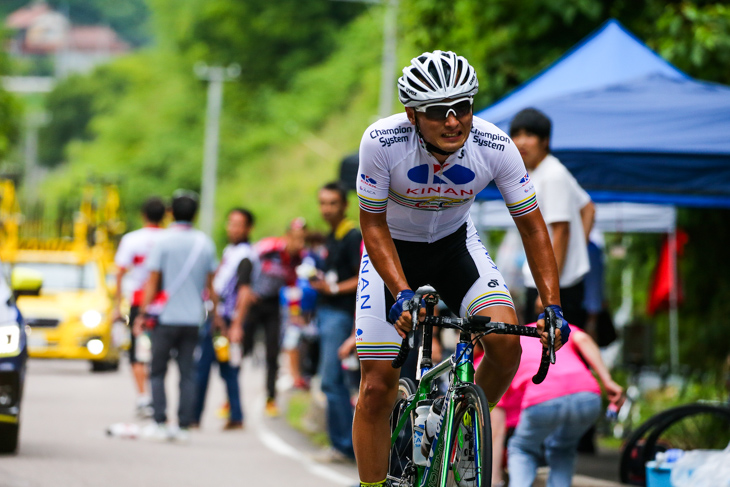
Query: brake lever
x=550, y=321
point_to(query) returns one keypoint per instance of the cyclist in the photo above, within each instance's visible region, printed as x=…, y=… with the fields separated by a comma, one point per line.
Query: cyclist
x=419, y=173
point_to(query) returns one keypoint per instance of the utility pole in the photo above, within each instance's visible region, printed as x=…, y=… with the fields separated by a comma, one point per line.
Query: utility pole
x=33, y=122
x=215, y=76
x=387, y=80
x=387, y=70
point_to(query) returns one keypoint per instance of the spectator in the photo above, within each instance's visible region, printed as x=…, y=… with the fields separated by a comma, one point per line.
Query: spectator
x=567, y=209
x=556, y=413
x=335, y=314
x=297, y=315
x=233, y=274
x=131, y=278
x=181, y=266
x=276, y=267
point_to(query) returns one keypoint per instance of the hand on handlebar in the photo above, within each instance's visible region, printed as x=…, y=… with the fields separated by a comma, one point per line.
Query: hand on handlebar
x=544, y=335
x=404, y=324
x=400, y=316
x=563, y=329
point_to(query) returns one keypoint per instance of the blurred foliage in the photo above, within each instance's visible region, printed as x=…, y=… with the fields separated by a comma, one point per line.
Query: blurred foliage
x=509, y=42
x=10, y=110
x=73, y=103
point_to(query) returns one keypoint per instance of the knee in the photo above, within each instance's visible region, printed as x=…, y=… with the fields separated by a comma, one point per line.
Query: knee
x=376, y=396
x=504, y=351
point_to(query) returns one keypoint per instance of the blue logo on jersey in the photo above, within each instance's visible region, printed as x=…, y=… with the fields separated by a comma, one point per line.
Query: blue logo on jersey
x=367, y=179
x=525, y=179
x=455, y=174
x=359, y=332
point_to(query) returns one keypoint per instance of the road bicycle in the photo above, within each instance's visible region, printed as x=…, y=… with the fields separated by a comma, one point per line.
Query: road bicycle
x=702, y=425
x=460, y=452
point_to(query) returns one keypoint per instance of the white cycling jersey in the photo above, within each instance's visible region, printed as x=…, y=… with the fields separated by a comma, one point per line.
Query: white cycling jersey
x=426, y=200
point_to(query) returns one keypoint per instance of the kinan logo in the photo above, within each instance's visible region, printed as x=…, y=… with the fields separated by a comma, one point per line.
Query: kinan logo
x=368, y=181
x=441, y=174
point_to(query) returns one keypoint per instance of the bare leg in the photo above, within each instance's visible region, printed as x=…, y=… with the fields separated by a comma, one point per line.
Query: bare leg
x=501, y=356
x=371, y=427
x=294, y=369
x=139, y=372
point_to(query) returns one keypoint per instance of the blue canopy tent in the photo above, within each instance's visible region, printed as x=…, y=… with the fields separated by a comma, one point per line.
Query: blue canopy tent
x=631, y=128
x=628, y=125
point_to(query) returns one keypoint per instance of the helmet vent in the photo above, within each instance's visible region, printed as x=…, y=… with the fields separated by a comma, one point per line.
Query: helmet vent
x=447, y=70
x=422, y=79
x=433, y=71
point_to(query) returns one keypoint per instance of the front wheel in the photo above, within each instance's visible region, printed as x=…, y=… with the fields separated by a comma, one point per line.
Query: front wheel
x=470, y=458
x=401, y=469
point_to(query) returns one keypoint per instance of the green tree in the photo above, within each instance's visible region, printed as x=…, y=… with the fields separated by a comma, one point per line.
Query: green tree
x=9, y=110
x=72, y=104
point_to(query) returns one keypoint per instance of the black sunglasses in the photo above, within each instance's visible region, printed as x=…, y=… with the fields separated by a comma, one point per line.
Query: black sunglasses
x=441, y=111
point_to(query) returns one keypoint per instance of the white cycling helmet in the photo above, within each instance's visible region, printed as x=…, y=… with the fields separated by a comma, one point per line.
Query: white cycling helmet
x=435, y=76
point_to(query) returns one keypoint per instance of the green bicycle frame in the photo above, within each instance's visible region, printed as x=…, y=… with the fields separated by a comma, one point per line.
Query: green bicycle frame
x=461, y=364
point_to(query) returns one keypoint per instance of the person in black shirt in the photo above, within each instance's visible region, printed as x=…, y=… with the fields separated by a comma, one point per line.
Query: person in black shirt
x=335, y=315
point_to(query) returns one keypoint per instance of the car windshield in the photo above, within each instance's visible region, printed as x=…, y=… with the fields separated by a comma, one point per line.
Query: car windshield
x=64, y=277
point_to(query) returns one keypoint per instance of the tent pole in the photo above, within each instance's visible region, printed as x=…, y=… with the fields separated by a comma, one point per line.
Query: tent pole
x=673, y=301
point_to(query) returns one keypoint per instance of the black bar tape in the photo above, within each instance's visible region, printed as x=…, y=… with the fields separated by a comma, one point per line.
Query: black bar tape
x=398, y=362
x=544, y=366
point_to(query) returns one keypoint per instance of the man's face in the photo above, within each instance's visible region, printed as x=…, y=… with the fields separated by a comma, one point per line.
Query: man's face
x=448, y=134
x=331, y=206
x=532, y=148
x=237, y=227
x=296, y=240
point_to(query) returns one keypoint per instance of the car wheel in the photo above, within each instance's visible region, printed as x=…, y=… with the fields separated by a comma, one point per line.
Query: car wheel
x=9, y=437
x=103, y=366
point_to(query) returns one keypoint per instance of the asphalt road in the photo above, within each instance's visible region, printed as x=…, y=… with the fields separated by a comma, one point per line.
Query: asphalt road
x=66, y=410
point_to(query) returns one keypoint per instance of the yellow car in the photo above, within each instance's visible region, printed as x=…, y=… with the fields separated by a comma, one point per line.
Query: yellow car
x=69, y=317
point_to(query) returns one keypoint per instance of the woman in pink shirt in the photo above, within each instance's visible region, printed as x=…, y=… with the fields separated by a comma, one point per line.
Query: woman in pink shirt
x=557, y=412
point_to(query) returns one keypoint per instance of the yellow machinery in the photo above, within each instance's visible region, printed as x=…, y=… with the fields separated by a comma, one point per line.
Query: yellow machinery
x=70, y=317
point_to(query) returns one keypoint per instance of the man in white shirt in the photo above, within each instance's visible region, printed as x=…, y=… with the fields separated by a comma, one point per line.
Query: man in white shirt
x=131, y=278
x=567, y=209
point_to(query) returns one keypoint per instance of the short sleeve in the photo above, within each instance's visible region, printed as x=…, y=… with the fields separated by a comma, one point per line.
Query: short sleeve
x=153, y=262
x=244, y=273
x=373, y=177
x=582, y=196
x=123, y=257
x=514, y=183
x=557, y=198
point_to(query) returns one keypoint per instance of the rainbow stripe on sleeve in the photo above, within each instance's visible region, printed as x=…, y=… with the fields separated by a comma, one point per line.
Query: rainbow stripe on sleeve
x=378, y=351
x=372, y=205
x=492, y=298
x=523, y=207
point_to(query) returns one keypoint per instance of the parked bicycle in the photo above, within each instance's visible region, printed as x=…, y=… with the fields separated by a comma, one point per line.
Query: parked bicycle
x=446, y=441
x=702, y=425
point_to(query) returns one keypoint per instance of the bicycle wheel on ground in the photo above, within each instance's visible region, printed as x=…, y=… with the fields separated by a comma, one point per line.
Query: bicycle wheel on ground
x=689, y=427
x=470, y=458
x=632, y=470
x=401, y=470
